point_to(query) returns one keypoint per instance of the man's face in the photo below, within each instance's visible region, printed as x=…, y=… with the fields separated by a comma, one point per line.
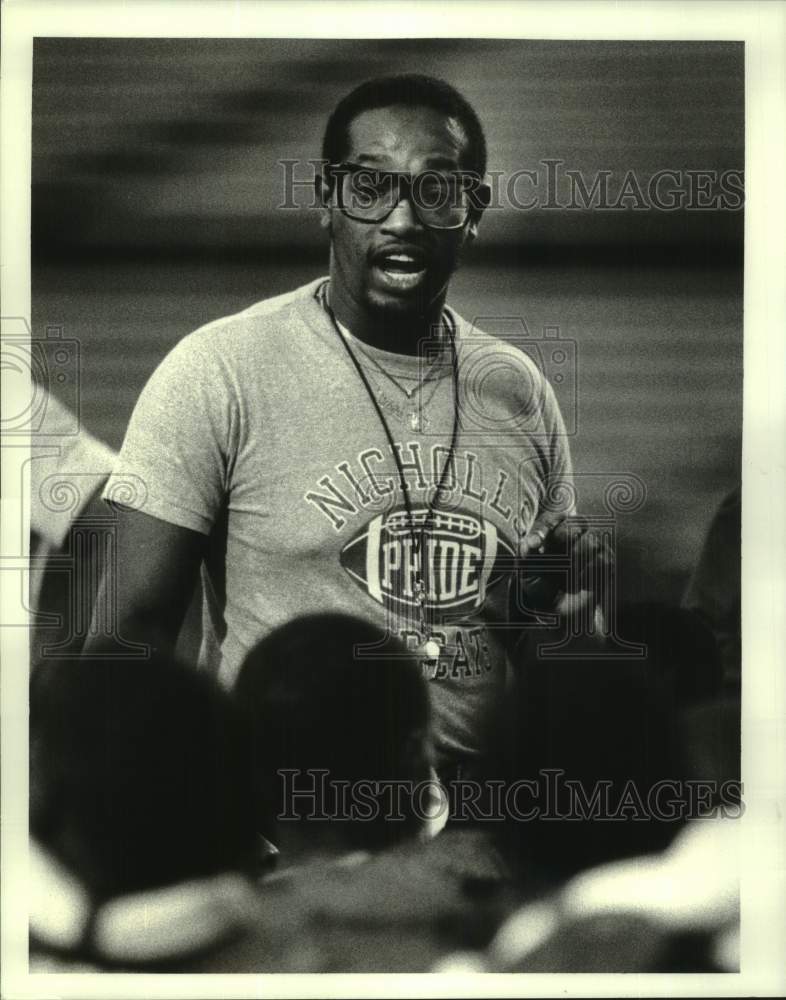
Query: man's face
x=398, y=264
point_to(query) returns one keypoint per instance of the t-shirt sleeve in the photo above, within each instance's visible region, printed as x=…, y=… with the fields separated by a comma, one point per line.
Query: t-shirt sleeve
x=177, y=450
x=559, y=492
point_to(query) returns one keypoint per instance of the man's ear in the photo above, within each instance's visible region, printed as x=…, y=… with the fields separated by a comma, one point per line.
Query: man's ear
x=472, y=226
x=323, y=195
x=481, y=197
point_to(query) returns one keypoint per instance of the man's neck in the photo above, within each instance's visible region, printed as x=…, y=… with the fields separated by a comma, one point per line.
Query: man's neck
x=388, y=330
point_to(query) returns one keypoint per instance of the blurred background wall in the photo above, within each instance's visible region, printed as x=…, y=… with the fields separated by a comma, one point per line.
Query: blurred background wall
x=156, y=185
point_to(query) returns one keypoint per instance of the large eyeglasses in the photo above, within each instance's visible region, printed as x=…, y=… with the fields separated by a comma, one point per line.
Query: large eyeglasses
x=440, y=200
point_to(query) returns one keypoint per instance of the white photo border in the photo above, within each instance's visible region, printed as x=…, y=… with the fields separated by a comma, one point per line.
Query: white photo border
x=762, y=26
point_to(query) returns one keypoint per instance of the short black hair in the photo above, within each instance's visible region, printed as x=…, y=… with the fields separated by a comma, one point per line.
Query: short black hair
x=410, y=90
x=139, y=773
x=316, y=702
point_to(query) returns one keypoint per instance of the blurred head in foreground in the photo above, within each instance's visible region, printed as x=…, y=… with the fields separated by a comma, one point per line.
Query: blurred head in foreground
x=139, y=774
x=682, y=651
x=598, y=738
x=337, y=721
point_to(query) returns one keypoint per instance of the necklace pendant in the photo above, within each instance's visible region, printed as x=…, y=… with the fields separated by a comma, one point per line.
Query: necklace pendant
x=416, y=421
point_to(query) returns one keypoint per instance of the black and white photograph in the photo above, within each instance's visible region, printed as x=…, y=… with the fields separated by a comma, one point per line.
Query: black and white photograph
x=378, y=507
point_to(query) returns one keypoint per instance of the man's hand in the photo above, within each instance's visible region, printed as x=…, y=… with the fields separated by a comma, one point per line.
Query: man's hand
x=579, y=585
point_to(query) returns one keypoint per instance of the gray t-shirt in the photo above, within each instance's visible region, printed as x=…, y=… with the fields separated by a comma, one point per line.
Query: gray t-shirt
x=257, y=431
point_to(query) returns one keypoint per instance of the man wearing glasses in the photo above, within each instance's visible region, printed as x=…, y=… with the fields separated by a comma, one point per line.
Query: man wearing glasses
x=354, y=445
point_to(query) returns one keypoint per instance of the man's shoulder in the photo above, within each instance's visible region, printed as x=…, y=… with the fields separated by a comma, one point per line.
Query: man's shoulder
x=257, y=323
x=479, y=346
x=267, y=308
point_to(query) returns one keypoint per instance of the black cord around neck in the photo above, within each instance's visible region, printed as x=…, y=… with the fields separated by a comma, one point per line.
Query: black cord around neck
x=416, y=538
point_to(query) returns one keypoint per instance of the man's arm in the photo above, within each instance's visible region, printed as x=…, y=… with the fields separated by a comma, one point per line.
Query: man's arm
x=152, y=579
x=173, y=471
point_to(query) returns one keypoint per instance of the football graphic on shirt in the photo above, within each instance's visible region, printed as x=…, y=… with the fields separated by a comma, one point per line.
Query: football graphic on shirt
x=460, y=559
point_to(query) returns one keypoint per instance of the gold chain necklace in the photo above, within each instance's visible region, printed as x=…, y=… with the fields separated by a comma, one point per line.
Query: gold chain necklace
x=416, y=414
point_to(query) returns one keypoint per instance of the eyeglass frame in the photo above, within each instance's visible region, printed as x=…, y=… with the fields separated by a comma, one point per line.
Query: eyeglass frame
x=405, y=181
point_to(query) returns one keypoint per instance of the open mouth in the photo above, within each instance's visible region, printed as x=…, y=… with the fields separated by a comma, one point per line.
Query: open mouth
x=400, y=269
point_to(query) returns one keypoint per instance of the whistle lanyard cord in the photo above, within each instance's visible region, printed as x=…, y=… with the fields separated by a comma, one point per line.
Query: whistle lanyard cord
x=417, y=539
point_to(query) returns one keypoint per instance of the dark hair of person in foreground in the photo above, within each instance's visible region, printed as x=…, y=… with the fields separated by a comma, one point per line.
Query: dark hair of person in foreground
x=586, y=727
x=324, y=695
x=139, y=774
